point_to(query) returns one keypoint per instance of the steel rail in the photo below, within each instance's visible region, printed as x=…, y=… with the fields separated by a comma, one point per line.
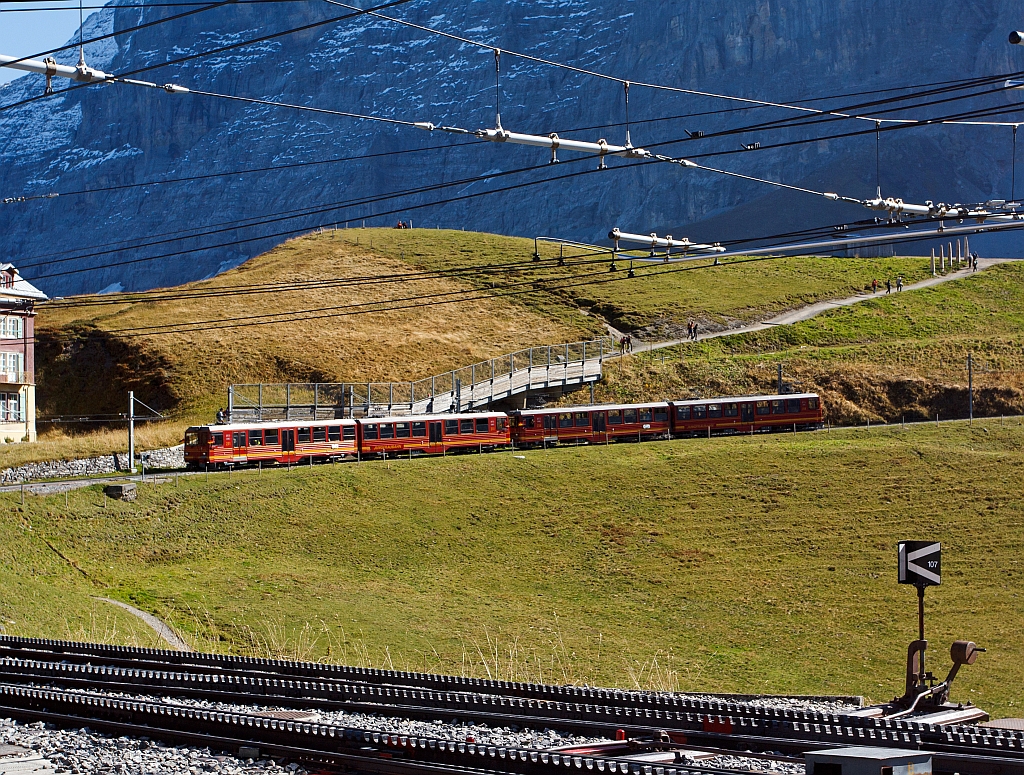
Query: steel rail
x=364, y=750
x=738, y=728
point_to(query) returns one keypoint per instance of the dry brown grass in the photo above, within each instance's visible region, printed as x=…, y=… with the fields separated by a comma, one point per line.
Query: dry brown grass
x=190, y=369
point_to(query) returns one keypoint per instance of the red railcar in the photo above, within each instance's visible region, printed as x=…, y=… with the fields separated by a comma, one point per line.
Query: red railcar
x=238, y=444
x=592, y=424
x=746, y=414
x=433, y=434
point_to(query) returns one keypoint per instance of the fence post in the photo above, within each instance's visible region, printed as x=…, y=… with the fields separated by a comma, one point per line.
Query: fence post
x=316, y=398
x=259, y=410
x=288, y=401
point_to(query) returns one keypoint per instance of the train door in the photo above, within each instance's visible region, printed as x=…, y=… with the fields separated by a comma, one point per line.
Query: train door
x=434, y=430
x=288, y=444
x=600, y=422
x=747, y=412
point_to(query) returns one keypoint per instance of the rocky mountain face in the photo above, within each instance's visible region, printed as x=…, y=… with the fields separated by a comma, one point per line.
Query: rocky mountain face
x=115, y=153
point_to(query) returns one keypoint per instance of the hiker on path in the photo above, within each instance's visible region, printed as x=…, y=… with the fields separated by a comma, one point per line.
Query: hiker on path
x=899, y=283
x=694, y=335
x=974, y=261
x=689, y=329
x=874, y=285
x=888, y=285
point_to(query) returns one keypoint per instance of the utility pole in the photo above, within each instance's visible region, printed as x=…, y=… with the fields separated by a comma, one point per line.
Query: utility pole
x=131, y=431
x=970, y=388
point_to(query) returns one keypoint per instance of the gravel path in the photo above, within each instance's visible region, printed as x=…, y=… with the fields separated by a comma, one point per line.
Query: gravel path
x=813, y=310
x=168, y=635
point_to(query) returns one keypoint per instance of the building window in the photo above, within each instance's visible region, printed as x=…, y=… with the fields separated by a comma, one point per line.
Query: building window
x=10, y=407
x=11, y=328
x=12, y=363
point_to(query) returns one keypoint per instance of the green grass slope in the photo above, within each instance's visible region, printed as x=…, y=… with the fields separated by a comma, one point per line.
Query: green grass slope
x=760, y=564
x=897, y=355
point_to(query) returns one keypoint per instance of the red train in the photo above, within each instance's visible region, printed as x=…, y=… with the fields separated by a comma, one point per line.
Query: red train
x=293, y=441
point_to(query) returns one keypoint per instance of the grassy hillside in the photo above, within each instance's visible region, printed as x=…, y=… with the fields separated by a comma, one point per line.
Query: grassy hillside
x=660, y=298
x=90, y=356
x=742, y=564
x=889, y=357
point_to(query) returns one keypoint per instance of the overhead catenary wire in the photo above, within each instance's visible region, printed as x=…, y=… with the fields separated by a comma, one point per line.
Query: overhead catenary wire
x=428, y=300
x=605, y=76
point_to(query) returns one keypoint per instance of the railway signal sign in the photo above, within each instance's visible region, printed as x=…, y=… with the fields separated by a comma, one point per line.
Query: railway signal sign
x=920, y=563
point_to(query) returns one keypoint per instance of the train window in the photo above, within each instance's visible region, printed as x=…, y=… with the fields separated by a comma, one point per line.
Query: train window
x=629, y=416
x=218, y=439
x=348, y=432
x=644, y=415
x=565, y=420
x=387, y=430
x=481, y=425
x=812, y=403
x=682, y=413
x=466, y=426
x=661, y=414
x=550, y=422
x=528, y=421
x=238, y=439
x=370, y=431
x=699, y=412
x=582, y=419
x=615, y=417
x=304, y=436
x=730, y=410
x=419, y=429
x=763, y=407
x=255, y=438
x=191, y=439
x=320, y=433
x=501, y=424
x=402, y=430
x=334, y=433
x=714, y=411
x=451, y=427
x=778, y=406
x=270, y=437
x=792, y=405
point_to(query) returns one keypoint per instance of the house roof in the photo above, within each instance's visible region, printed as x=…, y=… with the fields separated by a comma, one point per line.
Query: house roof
x=22, y=288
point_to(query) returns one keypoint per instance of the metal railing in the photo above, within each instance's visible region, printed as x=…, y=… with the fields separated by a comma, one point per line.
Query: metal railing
x=464, y=389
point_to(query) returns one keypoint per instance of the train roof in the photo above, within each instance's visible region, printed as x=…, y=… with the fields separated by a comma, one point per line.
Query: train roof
x=734, y=399
x=237, y=426
x=425, y=417
x=684, y=402
x=591, y=407
x=230, y=427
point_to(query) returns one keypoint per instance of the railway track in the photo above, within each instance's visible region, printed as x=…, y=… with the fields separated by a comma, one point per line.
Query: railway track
x=117, y=689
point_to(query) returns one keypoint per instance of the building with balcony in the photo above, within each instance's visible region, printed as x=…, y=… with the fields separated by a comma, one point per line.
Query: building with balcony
x=18, y=299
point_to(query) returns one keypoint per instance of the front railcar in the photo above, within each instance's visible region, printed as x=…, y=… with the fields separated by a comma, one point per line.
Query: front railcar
x=198, y=447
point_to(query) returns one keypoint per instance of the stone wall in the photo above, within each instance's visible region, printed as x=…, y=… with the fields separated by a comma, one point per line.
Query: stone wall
x=170, y=458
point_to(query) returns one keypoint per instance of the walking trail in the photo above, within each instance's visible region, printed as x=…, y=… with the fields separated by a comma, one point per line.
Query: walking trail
x=813, y=310
x=168, y=635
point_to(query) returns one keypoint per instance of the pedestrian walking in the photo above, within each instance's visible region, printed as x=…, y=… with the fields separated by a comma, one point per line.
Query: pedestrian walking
x=888, y=285
x=629, y=342
x=974, y=262
x=689, y=329
x=622, y=346
x=899, y=283
x=695, y=331
x=874, y=285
